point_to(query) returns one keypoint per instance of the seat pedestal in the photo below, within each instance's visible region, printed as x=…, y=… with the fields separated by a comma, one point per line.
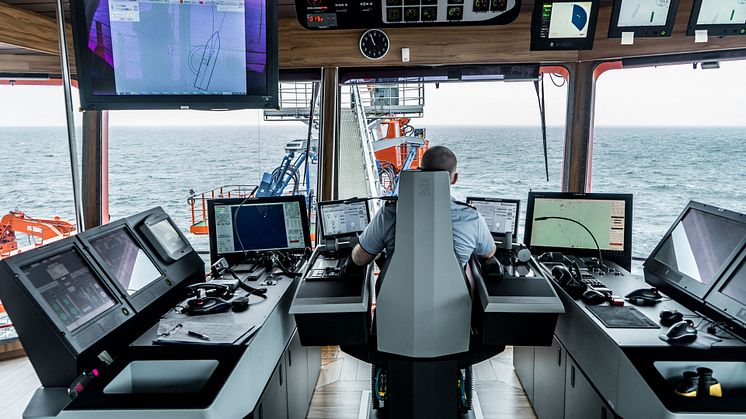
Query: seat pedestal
x=422, y=389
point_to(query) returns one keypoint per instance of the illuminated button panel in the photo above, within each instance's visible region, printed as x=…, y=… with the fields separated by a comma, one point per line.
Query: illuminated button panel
x=443, y=11
x=350, y=14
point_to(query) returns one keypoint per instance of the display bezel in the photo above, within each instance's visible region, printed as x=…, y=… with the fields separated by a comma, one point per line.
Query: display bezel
x=163, y=253
x=667, y=278
x=736, y=29
x=723, y=303
x=665, y=30
x=623, y=258
x=84, y=61
x=234, y=258
x=321, y=206
x=145, y=295
x=517, y=202
x=562, y=44
x=88, y=334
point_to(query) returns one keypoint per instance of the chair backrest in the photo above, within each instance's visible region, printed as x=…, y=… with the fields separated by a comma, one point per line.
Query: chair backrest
x=423, y=308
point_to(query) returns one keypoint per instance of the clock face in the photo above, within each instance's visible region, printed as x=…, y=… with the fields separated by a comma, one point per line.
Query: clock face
x=374, y=44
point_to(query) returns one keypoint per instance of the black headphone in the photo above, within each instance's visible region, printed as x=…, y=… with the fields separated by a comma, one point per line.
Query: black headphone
x=570, y=283
x=211, y=290
x=670, y=317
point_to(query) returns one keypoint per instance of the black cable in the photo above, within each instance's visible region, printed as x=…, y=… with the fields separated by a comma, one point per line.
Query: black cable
x=551, y=77
x=542, y=113
x=600, y=257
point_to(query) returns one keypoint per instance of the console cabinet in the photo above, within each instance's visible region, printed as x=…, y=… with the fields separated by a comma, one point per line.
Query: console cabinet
x=549, y=380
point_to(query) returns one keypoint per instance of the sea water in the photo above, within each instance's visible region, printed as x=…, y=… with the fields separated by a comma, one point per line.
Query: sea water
x=148, y=166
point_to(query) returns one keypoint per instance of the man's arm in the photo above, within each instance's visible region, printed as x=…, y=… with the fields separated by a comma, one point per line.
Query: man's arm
x=361, y=257
x=485, y=244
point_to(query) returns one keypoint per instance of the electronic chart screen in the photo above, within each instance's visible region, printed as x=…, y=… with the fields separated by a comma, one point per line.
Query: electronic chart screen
x=344, y=218
x=70, y=288
x=125, y=260
x=563, y=25
x=259, y=226
x=501, y=215
x=209, y=54
x=700, y=244
x=604, y=218
x=735, y=287
x=722, y=12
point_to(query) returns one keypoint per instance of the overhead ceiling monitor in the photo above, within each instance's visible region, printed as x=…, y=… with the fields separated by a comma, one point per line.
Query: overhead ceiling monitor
x=241, y=227
x=581, y=224
x=563, y=25
x=696, y=249
x=643, y=18
x=502, y=215
x=176, y=54
x=343, y=218
x=718, y=17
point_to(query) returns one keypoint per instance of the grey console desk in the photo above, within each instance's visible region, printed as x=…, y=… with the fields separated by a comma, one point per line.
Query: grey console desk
x=591, y=371
x=270, y=376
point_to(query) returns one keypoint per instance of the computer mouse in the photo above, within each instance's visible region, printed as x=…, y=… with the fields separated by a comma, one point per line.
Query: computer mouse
x=681, y=332
x=645, y=293
x=240, y=304
x=594, y=297
x=670, y=317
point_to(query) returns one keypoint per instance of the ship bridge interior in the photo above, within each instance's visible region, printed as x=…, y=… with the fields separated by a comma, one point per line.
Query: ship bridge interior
x=260, y=307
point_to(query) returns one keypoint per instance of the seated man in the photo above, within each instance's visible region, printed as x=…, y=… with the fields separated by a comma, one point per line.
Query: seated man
x=470, y=232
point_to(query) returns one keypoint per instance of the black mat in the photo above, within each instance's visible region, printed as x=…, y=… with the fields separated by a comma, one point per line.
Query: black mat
x=622, y=317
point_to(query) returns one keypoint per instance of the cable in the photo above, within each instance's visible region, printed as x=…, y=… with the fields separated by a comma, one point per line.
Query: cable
x=551, y=77
x=235, y=226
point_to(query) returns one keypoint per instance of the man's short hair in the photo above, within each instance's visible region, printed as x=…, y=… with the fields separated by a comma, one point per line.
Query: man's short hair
x=439, y=158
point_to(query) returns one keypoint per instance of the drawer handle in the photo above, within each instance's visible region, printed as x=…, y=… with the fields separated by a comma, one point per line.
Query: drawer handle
x=280, y=375
x=572, y=376
x=559, y=357
x=290, y=358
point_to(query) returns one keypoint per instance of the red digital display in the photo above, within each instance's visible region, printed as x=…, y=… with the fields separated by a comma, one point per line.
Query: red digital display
x=321, y=20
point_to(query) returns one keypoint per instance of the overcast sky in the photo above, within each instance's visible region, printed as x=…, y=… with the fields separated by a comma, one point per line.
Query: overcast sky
x=676, y=95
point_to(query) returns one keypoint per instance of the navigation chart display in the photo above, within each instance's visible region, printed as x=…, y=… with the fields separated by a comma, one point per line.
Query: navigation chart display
x=722, y=12
x=604, y=218
x=633, y=13
x=563, y=25
x=343, y=218
x=125, y=260
x=258, y=227
x=213, y=49
x=568, y=20
x=70, y=288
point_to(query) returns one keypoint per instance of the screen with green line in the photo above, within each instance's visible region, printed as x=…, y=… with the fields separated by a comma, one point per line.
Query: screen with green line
x=636, y=13
x=604, y=218
x=722, y=12
x=70, y=288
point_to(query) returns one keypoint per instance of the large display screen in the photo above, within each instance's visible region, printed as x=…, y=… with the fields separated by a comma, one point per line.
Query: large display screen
x=176, y=53
x=344, y=218
x=722, y=12
x=633, y=13
x=70, y=288
x=604, y=218
x=259, y=227
x=700, y=244
x=125, y=260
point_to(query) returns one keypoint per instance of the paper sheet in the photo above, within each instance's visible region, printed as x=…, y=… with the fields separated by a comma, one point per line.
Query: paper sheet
x=225, y=333
x=628, y=38
x=700, y=36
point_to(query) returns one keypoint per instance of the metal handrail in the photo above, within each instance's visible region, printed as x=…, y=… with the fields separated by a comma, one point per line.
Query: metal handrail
x=371, y=168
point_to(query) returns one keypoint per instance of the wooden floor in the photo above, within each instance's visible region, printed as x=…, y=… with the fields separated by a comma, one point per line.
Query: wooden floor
x=344, y=378
x=338, y=390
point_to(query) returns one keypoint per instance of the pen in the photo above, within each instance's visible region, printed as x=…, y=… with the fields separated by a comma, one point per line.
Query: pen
x=198, y=335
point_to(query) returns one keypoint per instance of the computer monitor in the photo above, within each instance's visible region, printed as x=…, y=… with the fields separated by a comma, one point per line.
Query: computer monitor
x=163, y=234
x=643, y=18
x=502, y=215
x=729, y=294
x=718, y=17
x=239, y=227
x=563, y=25
x=554, y=219
x=696, y=249
x=175, y=54
x=343, y=218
